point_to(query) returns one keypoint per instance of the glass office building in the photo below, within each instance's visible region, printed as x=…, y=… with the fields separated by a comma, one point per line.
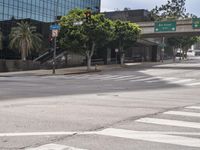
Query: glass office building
x=42, y=10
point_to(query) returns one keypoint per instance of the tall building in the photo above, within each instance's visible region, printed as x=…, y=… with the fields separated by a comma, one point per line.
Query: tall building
x=42, y=10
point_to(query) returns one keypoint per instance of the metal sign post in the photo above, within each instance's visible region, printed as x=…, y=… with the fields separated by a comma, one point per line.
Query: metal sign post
x=54, y=31
x=116, y=51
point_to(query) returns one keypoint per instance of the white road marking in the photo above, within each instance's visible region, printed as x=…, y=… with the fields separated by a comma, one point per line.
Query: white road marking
x=36, y=134
x=127, y=78
x=54, y=147
x=193, y=84
x=157, y=79
x=182, y=81
x=122, y=77
x=151, y=137
x=193, y=107
x=183, y=113
x=136, y=78
x=145, y=79
x=167, y=122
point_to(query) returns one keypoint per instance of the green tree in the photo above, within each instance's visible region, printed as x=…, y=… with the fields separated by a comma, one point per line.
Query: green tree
x=125, y=35
x=173, y=9
x=82, y=32
x=25, y=38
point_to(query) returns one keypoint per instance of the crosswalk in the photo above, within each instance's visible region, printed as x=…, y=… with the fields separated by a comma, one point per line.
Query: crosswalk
x=165, y=135
x=133, y=78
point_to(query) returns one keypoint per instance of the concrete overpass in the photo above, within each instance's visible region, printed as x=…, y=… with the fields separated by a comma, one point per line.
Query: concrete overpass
x=183, y=27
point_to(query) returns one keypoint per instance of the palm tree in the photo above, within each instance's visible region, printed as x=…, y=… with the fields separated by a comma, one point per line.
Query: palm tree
x=25, y=38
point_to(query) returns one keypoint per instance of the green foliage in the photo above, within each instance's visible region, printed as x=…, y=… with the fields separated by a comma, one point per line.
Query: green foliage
x=125, y=34
x=173, y=9
x=79, y=35
x=25, y=38
x=83, y=35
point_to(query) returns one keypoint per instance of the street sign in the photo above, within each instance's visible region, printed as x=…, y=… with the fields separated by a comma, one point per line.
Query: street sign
x=116, y=50
x=167, y=26
x=55, y=27
x=196, y=23
x=54, y=33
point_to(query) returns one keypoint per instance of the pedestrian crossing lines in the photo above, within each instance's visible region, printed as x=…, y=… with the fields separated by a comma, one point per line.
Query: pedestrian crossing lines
x=166, y=135
x=163, y=136
x=54, y=147
x=137, y=78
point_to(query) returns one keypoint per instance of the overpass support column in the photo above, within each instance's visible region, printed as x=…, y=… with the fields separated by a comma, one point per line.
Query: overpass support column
x=163, y=49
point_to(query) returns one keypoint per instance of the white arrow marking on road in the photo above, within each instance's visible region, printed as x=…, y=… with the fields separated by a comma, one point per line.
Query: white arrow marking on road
x=54, y=147
x=167, y=122
x=151, y=137
x=182, y=113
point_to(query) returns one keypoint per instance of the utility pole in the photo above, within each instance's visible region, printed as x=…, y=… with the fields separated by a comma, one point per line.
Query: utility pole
x=55, y=39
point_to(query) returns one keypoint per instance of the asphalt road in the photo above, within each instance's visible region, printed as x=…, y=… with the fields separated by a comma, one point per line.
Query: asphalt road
x=150, y=107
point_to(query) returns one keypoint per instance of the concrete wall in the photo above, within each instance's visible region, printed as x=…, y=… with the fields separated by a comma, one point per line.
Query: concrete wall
x=17, y=65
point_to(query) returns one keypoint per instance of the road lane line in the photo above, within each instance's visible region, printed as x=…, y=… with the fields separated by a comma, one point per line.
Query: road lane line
x=183, y=113
x=54, y=147
x=151, y=137
x=167, y=122
x=36, y=134
x=193, y=107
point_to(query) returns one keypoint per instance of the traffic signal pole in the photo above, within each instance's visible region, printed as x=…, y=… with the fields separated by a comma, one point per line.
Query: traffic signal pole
x=55, y=40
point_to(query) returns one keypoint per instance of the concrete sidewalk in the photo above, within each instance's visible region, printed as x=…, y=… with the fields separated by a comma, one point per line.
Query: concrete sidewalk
x=78, y=70
x=64, y=71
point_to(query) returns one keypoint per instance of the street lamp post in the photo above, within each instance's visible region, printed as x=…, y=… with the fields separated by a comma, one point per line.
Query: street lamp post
x=55, y=39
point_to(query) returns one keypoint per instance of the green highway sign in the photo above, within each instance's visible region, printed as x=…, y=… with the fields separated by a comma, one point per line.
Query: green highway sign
x=167, y=26
x=196, y=23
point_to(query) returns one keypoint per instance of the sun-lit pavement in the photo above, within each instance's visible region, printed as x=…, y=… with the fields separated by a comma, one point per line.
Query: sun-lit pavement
x=144, y=107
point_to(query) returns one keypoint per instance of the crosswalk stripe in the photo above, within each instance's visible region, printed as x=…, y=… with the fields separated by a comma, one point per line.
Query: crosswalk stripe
x=193, y=107
x=151, y=137
x=122, y=77
x=157, y=79
x=170, y=79
x=54, y=147
x=193, y=84
x=137, y=78
x=167, y=122
x=127, y=78
x=182, y=81
x=146, y=79
x=182, y=113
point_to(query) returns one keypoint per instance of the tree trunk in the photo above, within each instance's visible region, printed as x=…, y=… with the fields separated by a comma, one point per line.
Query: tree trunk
x=23, y=55
x=174, y=55
x=89, y=63
x=122, y=58
x=23, y=51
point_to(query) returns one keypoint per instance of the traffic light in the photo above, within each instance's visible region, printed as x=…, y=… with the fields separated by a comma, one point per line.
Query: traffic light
x=88, y=15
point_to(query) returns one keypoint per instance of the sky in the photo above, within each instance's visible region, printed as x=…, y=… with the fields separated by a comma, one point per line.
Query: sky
x=192, y=6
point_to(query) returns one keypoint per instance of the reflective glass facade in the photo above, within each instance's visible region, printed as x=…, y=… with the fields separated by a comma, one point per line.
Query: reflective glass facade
x=42, y=10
